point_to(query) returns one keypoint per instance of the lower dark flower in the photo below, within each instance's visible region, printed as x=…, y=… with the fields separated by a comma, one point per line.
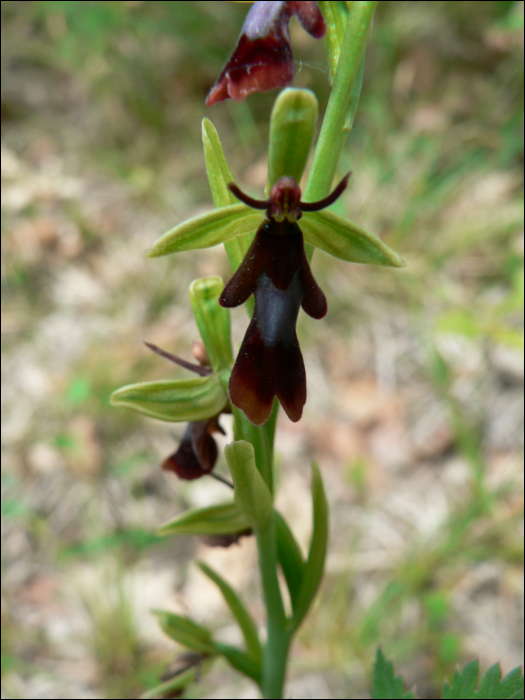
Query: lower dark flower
x=197, y=451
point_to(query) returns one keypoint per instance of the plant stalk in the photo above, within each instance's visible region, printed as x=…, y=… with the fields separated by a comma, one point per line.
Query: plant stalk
x=277, y=646
x=338, y=117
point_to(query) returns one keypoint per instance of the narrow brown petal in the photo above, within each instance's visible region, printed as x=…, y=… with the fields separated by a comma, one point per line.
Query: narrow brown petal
x=313, y=301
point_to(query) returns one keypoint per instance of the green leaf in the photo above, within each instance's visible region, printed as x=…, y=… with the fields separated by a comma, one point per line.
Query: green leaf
x=336, y=18
x=243, y=617
x=207, y=230
x=251, y=494
x=314, y=566
x=213, y=320
x=240, y=661
x=386, y=685
x=174, y=400
x=346, y=240
x=186, y=632
x=292, y=129
x=464, y=683
x=223, y=519
x=219, y=175
x=289, y=557
x=491, y=686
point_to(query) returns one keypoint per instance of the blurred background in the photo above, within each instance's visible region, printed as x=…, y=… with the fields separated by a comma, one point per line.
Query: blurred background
x=415, y=377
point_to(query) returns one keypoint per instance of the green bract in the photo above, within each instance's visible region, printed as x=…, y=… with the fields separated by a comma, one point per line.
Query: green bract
x=186, y=632
x=219, y=175
x=223, y=519
x=175, y=400
x=212, y=320
x=292, y=128
x=252, y=495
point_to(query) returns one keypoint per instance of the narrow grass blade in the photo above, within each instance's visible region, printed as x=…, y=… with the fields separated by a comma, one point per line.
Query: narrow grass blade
x=289, y=557
x=243, y=617
x=314, y=566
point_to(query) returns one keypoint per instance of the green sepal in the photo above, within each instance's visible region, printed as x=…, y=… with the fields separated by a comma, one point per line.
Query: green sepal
x=174, y=400
x=243, y=617
x=251, y=494
x=186, y=632
x=336, y=17
x=289, y=557
x=346, y=240
x=314, y=565
x=219, y=175
x=207, y=230
x=223, y=519
x=213, y=320
x=240, y=661
x=292, y=129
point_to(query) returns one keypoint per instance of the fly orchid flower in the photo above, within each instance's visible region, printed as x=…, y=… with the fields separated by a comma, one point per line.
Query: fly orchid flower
x=272, y=267
x=263, y=58
x=276, y=271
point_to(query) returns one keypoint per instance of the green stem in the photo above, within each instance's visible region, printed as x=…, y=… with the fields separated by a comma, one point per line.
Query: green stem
x=338, y=118
x=277, y=646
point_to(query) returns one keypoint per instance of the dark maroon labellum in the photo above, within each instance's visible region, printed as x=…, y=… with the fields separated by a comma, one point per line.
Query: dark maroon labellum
x=226, y=540
x=263, y=59
x=197, y=451
x=276, y=271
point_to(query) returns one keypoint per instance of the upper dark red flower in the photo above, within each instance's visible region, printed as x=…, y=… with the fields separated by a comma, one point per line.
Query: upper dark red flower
x=263, y=59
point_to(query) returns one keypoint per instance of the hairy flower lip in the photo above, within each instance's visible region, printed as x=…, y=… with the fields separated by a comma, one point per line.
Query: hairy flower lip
x=262, y=58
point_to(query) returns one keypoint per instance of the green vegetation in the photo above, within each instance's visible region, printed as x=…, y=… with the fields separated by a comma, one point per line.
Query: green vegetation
x=101, y=112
